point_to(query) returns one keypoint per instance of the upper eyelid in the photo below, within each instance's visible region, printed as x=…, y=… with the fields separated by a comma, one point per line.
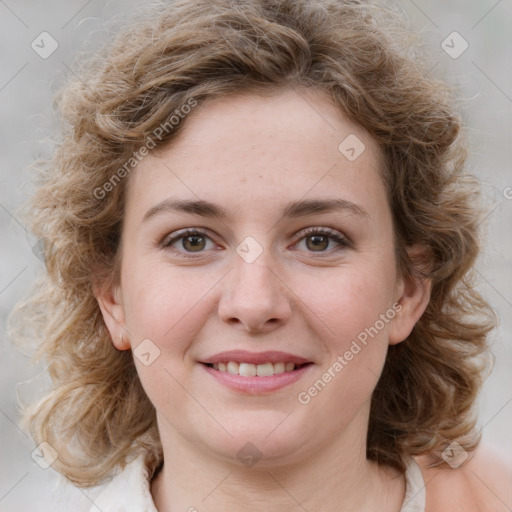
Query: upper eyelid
x=328, y=231
x=181, y=233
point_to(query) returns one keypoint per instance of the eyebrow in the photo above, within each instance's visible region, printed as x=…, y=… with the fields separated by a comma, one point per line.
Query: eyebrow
x=292, y=210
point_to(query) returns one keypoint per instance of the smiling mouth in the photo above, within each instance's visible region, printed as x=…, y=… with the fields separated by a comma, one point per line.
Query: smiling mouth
x=255, y=370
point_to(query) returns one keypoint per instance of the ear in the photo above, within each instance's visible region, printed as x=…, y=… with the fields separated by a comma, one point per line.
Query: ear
x=108, y=297
x=413, y=296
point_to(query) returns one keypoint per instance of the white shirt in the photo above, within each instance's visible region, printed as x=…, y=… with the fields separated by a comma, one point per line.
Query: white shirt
x=129, y=491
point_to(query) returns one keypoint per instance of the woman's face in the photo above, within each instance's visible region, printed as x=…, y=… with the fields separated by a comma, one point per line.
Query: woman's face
x=293, y=264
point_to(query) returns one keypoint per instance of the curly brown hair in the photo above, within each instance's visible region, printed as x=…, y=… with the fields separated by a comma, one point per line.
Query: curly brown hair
x=175, y=53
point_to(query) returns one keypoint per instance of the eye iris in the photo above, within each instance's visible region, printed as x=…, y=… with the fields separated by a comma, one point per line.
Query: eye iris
x=319, y=242
x=196, y=243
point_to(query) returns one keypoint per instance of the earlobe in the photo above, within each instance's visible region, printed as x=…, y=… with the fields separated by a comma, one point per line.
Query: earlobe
x=112, y=310
x=413, y=297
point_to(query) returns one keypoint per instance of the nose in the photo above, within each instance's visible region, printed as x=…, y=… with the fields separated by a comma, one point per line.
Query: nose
x=255, y=298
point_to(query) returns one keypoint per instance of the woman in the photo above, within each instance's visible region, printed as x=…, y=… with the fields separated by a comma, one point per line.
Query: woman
x=259, y=242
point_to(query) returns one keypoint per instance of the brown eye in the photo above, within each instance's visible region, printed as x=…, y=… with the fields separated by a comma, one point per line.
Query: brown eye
x=323, y=241
x=193, y=243
x=317, y=242
x=188, y=242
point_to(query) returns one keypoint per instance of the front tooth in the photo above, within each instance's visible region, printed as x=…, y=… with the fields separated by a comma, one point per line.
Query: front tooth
x=265, y=370
x=232, y=367
x=289, y=367
x=278, y=368
x=247, y=370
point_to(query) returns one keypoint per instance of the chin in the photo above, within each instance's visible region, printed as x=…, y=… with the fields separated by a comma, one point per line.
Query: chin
x=260, y=440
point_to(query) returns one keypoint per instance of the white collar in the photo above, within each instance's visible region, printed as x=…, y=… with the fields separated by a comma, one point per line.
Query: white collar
x=415, y=492
x=129, y=491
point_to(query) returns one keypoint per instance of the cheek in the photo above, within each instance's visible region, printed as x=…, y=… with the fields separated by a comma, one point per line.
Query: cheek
x=168, y=307
x=348, y=303
x=165, y=304
x=355, y=311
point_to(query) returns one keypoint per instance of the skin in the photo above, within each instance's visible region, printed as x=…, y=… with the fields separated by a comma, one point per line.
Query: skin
x=253, y=155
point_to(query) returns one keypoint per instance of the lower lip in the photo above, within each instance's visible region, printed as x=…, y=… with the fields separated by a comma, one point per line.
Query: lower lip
x=257, y=385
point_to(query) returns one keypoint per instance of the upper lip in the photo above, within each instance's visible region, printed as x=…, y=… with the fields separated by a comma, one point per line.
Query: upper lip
x=243, y=356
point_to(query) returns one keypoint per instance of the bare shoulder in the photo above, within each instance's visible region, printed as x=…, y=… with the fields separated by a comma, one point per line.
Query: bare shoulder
x=482, y=483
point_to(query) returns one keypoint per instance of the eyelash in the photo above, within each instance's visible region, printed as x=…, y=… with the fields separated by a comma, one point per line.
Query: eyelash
x=331, y=234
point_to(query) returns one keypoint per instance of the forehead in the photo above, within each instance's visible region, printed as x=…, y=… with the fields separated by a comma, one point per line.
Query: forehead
x=255, y=150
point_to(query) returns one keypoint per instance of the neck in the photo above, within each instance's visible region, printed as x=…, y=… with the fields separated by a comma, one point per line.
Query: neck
x=337, y=477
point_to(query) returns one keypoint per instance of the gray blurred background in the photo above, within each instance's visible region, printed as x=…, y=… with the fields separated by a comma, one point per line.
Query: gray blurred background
x=33, y=67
